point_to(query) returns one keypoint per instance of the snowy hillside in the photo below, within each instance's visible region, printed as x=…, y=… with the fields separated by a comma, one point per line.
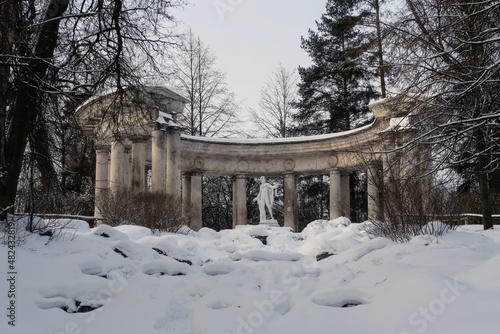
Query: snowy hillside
x=126, y=281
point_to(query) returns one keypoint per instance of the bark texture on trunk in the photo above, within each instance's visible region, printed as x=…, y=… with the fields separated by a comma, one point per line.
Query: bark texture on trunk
x=28, y=99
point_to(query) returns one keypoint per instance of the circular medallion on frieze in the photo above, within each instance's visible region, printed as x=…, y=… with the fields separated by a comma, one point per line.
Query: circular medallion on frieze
x=243, y=166
x=289, y=165
x=333, y=160
x=199, y=163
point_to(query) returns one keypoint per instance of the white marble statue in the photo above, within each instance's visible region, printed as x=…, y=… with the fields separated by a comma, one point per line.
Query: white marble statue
x=265, y=198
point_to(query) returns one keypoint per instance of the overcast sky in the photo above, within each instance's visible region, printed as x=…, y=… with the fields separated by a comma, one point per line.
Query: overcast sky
x=250, y=37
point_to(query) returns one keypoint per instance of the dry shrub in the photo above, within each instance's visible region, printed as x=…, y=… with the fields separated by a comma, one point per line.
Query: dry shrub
x=159, y=212
x=13, y=230
x=55, y=201
x=412, y=207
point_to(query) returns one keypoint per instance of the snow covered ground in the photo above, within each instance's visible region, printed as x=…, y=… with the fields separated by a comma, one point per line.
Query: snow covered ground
x=124, y=280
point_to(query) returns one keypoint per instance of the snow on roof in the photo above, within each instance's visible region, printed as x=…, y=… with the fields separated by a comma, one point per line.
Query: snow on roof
x=258, y=141
x=400, y=123
x=160, y=90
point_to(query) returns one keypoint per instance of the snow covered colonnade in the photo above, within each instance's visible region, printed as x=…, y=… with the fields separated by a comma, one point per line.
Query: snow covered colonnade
x=138, y=136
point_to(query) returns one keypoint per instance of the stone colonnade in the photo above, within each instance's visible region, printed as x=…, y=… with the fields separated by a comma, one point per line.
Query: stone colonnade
x=136, y=140
x=126, y=167
x=122, y=165
x=339, y=197
x=337, y=155
x=152, y=142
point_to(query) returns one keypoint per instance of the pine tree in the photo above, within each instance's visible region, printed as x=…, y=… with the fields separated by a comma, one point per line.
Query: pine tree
x=335, y=90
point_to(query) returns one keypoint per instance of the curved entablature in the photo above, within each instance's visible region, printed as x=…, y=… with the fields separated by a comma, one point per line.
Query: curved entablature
x=312, y=154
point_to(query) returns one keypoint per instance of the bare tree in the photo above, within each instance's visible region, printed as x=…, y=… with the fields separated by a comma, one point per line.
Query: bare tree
x=68, y=49
x=211, y=108
x=211, y=111
x=376, y=6
x=277, y=97
x=446, y=58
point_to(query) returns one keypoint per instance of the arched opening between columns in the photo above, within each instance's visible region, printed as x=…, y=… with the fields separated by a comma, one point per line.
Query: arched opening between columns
x=338, y=201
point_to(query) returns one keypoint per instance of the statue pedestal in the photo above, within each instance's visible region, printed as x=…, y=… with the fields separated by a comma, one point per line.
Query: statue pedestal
x=270, y=223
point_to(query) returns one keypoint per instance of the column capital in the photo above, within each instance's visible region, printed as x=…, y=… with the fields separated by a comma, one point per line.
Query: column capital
x=160, y=127
x=192, y=173
x=173, y=129
x=334, y=171
x=102, y=148
x=139, y=139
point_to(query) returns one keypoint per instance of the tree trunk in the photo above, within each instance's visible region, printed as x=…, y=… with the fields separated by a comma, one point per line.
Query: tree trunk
x=27, y=102
x=485, y=202
x=41, y=147
x=8, y=32
x=381, y=67
x=484, y=193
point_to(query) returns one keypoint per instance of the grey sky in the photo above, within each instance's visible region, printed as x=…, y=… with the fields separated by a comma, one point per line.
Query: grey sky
x=250, y=37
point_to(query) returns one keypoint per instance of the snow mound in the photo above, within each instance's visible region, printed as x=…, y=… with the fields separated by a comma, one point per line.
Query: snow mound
x=218, y=268
x=134, y=251
x=342, y=298
x=263, y=255
x=107, y=231
x=208, y=234
x=165, y=266
x=179, y=249
x=322, y=226
x=134, y=232
x=125, y=280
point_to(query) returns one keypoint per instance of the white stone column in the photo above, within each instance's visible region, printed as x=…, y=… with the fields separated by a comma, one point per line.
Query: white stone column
x=391, y=176
x=335, y=194
x=239, y=200
x=101, y=176
x=424, y=168
x=290, y=204
x=374, y=181
x=158, y=161
x=391, y=161
x=117, y=170
x=186, y=198
x=138, y=165
x=174, y=163
x=127, y=167
x=196, y=221
x=345, y=193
